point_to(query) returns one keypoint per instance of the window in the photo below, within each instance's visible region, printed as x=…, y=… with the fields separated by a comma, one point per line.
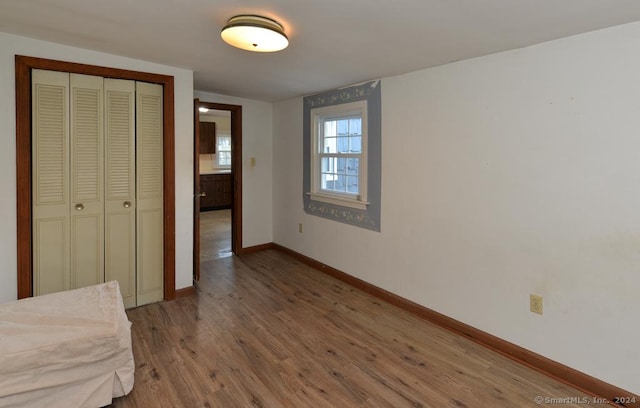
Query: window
x=339, y=169
x=342, y=153
x=223, y=150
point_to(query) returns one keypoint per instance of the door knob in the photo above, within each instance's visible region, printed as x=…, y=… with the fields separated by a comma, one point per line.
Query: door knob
x=79, y=207
x=203, y=194
x=126, y=204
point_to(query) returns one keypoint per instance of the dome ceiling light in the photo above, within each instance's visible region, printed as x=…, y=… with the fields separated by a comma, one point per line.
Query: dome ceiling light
x=254, y=33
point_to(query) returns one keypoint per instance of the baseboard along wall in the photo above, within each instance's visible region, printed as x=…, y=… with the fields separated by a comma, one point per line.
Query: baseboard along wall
x=583, y=382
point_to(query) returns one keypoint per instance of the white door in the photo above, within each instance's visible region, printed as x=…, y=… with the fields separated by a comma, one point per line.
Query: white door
x=97, y=185
x=149, y=186
x=50, y=182
x=87, y=198
x=120, y=215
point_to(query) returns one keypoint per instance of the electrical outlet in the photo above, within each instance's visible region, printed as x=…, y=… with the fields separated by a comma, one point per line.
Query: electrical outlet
x=300, y=228
x=535, y=303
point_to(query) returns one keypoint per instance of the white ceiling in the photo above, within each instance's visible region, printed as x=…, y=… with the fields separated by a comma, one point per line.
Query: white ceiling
x=332, y=43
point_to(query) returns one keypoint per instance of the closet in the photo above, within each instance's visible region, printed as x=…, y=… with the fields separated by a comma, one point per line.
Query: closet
x=97, y=184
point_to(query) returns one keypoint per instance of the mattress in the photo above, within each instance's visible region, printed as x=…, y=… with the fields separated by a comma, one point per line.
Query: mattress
x=66, y=349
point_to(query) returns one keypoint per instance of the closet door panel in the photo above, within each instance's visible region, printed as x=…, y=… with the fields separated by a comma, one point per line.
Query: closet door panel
x=50, y=185
x=87, y=212
x=86, y=250
x=51, y=255
x=120, y=200
x=149, y=192
x=150, y=244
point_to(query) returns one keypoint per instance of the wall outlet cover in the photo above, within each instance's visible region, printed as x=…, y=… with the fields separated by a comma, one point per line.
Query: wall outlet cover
x=535, y=303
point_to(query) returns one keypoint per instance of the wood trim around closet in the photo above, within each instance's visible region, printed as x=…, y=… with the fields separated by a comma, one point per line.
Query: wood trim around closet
x=23, y=66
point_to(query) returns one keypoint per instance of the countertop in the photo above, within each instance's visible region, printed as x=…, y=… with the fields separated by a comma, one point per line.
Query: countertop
x=216, y=171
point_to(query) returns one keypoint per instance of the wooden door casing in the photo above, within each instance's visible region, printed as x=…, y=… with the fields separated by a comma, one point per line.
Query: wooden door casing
x=196, y=190
x=235, y=179
x=23, y=67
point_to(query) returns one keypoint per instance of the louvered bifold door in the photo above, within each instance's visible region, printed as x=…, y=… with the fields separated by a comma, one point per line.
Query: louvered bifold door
x=87, y=196
x=50, y=181
x=149, y=193
x=120, y=200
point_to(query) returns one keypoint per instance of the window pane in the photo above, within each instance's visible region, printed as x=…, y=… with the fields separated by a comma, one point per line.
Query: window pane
x=355, y=135
x=355, y=144
x=340, y=174
x=343, y=127
x=328, y=181
x=224, y=158
x=341, y=136
x=330, y=128
x=324, y=183
x=329, y=145
x=328, y=164
x=223, y=142
x=342, y=144
x=223, y=148
x=340, y=183
x=352, y=185
x=355, y=126
x=352, y=166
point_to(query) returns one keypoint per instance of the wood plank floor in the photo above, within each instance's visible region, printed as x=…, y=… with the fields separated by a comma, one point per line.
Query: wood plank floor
x=215, y=234
x=267, y=331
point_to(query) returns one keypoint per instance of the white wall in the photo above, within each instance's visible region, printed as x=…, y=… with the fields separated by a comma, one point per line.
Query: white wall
x=505, y=175
x=257, y=141
x=11, y=45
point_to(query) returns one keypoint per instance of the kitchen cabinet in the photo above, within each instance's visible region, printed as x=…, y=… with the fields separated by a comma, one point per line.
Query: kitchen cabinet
x=207, y=137
x=217, y=190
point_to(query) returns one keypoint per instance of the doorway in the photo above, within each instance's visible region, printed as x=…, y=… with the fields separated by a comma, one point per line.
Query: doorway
x=217, y=182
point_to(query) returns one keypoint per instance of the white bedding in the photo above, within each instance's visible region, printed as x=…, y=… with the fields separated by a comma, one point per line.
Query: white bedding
x=67, y=349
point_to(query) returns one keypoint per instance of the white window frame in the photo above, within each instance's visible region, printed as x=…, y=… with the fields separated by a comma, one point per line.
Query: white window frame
x=318, y=117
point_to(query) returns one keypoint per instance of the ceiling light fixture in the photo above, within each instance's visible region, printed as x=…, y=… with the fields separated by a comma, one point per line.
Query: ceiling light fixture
x=254, y=33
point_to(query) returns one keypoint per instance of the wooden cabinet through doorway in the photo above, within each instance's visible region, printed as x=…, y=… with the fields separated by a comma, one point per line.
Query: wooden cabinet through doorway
x=207, y=137
x=218, y=192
